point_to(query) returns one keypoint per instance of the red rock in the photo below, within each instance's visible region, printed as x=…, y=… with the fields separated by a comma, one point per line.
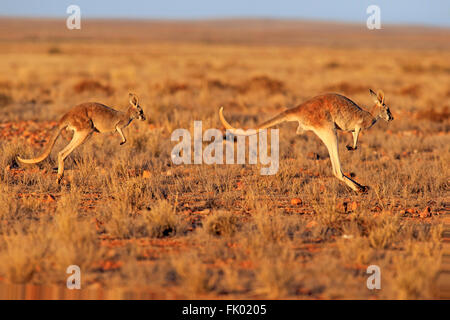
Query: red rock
x=146, y=174
x=311, y=224
x=426, y=213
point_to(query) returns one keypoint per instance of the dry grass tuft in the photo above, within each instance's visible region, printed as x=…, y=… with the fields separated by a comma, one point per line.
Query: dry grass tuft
x=347, y=88
x=5, y=100
x=92, y=86
x=221, y=223
x=434, y=115
x=162, y=221
x=262, y=83
x=24, y=253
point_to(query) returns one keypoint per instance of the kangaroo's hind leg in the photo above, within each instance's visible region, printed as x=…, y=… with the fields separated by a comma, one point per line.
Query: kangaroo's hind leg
x=329, y=138
x=78, y=138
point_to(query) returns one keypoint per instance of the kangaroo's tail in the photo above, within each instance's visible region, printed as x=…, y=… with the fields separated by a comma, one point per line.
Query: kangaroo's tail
x=282, y=117
x=47, y=149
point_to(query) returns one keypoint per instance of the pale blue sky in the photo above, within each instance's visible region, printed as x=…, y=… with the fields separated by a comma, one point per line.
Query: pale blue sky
x=425, y=12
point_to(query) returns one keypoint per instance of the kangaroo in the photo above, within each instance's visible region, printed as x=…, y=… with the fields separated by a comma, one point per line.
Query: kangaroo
x=325, y=115
x=83, y=120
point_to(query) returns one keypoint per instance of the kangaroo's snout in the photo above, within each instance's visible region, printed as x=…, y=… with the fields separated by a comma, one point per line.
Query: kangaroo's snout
x=141, y=115
x=390, y=117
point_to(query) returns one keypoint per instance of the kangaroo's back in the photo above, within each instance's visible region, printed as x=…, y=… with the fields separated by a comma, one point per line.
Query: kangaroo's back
x=327, y=109
x=90, y=114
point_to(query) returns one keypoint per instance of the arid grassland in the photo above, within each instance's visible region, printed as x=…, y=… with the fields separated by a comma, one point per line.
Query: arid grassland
x=141, y=227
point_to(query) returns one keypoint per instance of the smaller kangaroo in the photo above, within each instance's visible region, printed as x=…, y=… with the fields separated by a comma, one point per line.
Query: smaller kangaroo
x=84, y=119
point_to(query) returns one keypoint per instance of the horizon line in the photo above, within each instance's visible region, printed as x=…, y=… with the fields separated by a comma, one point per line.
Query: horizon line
x=227, y=18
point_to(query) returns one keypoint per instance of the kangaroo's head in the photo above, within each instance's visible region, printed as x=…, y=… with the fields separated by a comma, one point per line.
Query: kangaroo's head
x=382, y=110
x=136, y=111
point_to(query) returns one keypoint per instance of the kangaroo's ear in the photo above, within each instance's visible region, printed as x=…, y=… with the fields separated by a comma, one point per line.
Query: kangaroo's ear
x=374, y=95
x=380, y=96
x=133, y=99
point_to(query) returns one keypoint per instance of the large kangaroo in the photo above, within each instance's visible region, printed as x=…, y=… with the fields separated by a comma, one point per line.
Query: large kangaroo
x=324, y=115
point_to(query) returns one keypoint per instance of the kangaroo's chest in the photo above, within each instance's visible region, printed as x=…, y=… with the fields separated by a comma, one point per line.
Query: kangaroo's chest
x=103, y=126
x=345, y=124
x=348, y=119
x=110, y=126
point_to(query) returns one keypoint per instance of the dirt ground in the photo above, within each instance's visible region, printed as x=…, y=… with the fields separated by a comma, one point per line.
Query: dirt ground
x=139, y=226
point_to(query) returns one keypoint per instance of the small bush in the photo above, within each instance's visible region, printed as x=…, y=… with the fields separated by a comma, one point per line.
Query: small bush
x=221, y=223
x=162, y=220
